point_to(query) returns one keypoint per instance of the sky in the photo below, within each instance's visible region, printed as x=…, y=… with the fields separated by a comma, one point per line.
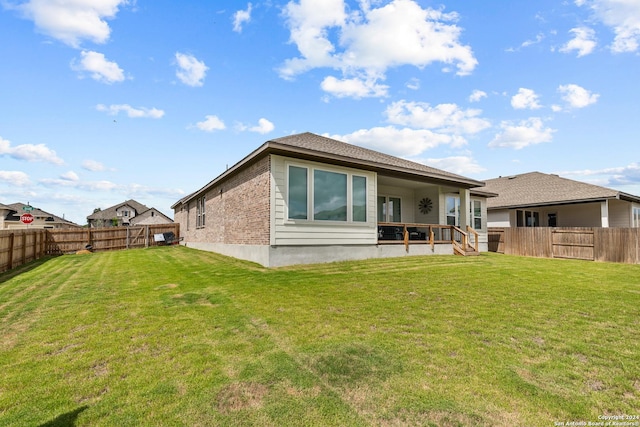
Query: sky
x=102, y=101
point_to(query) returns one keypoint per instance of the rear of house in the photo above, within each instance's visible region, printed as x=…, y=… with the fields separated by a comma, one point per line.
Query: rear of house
x=308, y=199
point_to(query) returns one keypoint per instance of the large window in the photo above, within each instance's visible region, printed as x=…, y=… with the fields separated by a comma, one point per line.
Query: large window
x=322, y=195
x=636, y=217
x=389, y=209
x=329, y=196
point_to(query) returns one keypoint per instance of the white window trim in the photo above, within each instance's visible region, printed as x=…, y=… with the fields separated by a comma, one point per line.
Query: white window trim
x=310, y=168
x=387, y=197
x=458, y=207
x=635, y=216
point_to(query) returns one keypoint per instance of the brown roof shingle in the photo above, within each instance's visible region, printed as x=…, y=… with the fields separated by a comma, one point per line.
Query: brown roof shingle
x=539, y=189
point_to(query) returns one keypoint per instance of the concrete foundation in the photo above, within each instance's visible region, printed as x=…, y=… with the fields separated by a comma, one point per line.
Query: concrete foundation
x=280, y=256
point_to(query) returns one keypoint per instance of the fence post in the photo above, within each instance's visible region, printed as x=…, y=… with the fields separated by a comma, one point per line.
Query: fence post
x=146, y=237
x=11, y=239
x=24, y=247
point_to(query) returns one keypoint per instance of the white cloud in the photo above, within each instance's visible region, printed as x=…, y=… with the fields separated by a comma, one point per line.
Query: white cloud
x=190, y=71
x=264, y=126
x=133, y=113
x=210, y=124
x=525, y=99
x=241, y=17
x=461, y=165
x=522, y=134
x=576, y=96
x=29, y=152
x=623, y=17
x=354, y=88
x=371, y=40
x=527, y=43
x=100, y=68
x=477, y=95
x=628, y=175
x=70, y=176
x=413, y=84
x=72, y=21
x=93, y=166
x=417, y=127
x=399, y=142
x=15, y=178
x=445, y=118
x=583, y=41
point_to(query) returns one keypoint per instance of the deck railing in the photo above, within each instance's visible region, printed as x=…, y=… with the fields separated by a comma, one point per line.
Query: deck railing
x=416, y=233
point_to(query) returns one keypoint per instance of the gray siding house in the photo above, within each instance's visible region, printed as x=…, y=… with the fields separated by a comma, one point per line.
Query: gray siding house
x=127, y=213
x=308, y=199
x=537, y=199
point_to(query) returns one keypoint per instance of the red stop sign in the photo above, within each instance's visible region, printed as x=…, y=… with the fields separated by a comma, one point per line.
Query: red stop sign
x=26, y=218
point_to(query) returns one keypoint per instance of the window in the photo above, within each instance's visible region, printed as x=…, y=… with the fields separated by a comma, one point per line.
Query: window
x=636, y=217
x=359, y=197
x=322, y=195
x=200, y=212
x=476, y=214
x=389, y=209
x=453, y=210
x=329, y=196
x=527, y=219
x=298, y=188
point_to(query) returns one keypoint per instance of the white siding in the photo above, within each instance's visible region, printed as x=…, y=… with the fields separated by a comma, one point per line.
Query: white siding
x=499, y=218
x=620, y=213
x=407, y=201
x=302, y=232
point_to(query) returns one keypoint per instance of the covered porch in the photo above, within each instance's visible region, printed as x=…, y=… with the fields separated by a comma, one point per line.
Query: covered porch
x=463, y=242
x=413, y=212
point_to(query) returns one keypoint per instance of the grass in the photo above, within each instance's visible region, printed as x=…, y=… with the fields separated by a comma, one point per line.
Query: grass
x=170, y=336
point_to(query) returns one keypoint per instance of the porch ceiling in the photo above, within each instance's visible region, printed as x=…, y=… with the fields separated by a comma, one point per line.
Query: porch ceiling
x=406, y=183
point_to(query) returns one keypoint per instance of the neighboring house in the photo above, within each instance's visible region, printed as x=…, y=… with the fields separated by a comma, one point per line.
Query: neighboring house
x=10, y=218
x=536, y=199
x=127, y=213
x=307, y=199
x=150, y=217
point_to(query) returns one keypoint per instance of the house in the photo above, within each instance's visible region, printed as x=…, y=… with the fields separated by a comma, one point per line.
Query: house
x=127, y=213
x=10, y=218
x=307, y=199
x=537, y=199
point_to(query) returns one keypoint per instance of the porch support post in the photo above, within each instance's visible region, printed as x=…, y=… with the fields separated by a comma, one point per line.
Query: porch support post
x=604, y=214
x=465, y=200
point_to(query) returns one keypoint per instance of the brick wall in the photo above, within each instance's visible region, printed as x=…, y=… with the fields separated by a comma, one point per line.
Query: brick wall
x=237, y=210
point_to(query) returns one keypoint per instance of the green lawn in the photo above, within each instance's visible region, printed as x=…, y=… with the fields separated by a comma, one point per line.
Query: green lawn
x=171, y=336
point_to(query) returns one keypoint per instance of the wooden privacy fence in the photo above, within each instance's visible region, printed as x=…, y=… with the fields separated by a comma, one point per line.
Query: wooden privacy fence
x=21, y=246
x=593, y=244
x=18, y=247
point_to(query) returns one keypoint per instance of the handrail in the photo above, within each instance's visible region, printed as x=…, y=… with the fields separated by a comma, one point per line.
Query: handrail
x=475, y=235
x=444, y=233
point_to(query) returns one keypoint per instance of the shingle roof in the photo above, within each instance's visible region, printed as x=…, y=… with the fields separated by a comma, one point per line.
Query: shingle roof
x=36, y=212
x=110, y=212
x=323, y=149
x=539, y=189
x=328, y=147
